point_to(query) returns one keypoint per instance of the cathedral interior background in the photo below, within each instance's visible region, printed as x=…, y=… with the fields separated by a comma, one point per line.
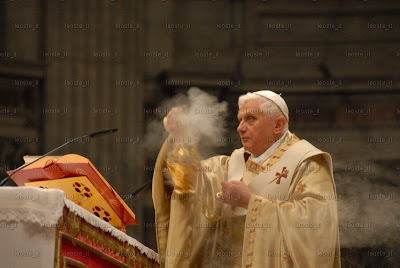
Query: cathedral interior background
x=68, y=68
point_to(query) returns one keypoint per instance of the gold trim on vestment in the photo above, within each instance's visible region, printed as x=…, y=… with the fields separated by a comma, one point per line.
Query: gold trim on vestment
x=273, y=158
x=252, y=233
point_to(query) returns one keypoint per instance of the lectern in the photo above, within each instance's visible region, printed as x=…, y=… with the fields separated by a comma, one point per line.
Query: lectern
x=67, y=216
x=82, y=183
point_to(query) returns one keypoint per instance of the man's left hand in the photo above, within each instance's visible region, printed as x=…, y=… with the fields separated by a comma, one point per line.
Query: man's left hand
x=236, y=193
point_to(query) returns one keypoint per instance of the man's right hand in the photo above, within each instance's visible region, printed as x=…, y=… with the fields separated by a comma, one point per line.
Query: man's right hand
x=173, y=122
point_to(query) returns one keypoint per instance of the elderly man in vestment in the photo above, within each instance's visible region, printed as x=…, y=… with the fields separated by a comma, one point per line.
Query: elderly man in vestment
x=271, y=203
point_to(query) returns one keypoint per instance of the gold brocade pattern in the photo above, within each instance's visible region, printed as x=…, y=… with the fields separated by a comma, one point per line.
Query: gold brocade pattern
x=301, y=187
x=75, y=225
x=250, y=245
x=258, y=168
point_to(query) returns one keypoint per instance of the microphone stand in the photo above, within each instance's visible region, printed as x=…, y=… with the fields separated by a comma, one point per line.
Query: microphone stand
x=138, y=190
x=91, y=135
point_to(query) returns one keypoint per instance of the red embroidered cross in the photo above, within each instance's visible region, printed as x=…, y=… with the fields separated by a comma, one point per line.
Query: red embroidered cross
x=281, y=175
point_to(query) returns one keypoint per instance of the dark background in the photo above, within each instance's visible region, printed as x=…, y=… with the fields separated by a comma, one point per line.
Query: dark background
x=68, y=68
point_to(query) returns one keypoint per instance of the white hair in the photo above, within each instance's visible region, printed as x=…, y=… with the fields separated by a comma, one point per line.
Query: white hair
x=267, y=106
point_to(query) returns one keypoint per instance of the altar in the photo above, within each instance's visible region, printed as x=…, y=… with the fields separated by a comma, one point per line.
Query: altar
x=42, y=228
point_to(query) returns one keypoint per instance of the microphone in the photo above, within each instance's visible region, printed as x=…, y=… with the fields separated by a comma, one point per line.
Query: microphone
x=91, y=135
x=103, y=132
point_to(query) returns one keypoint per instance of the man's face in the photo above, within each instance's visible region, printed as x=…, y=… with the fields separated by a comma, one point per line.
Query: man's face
x=256, y=128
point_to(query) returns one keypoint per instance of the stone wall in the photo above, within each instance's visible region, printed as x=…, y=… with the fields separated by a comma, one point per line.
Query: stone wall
x=72, y=67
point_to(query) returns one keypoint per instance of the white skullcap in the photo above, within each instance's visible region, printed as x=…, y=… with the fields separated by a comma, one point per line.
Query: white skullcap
x=275, y=98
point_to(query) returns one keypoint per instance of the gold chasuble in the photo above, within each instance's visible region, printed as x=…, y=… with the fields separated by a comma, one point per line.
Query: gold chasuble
x=291, y=219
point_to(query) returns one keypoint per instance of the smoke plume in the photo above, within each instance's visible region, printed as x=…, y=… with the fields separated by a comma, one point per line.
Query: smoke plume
x=203, y=117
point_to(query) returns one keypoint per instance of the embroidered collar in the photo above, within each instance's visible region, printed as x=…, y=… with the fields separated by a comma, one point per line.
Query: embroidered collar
x=269, y=151
x=272, y=159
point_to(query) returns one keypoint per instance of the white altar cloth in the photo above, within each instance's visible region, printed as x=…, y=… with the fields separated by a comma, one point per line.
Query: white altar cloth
x=28, y=221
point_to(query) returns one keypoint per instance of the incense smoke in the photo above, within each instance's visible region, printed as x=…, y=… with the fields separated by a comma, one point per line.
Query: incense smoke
x=368, y=208
x=203, y=117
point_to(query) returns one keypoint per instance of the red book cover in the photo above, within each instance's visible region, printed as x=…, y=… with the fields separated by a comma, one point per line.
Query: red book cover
x=73, y=165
